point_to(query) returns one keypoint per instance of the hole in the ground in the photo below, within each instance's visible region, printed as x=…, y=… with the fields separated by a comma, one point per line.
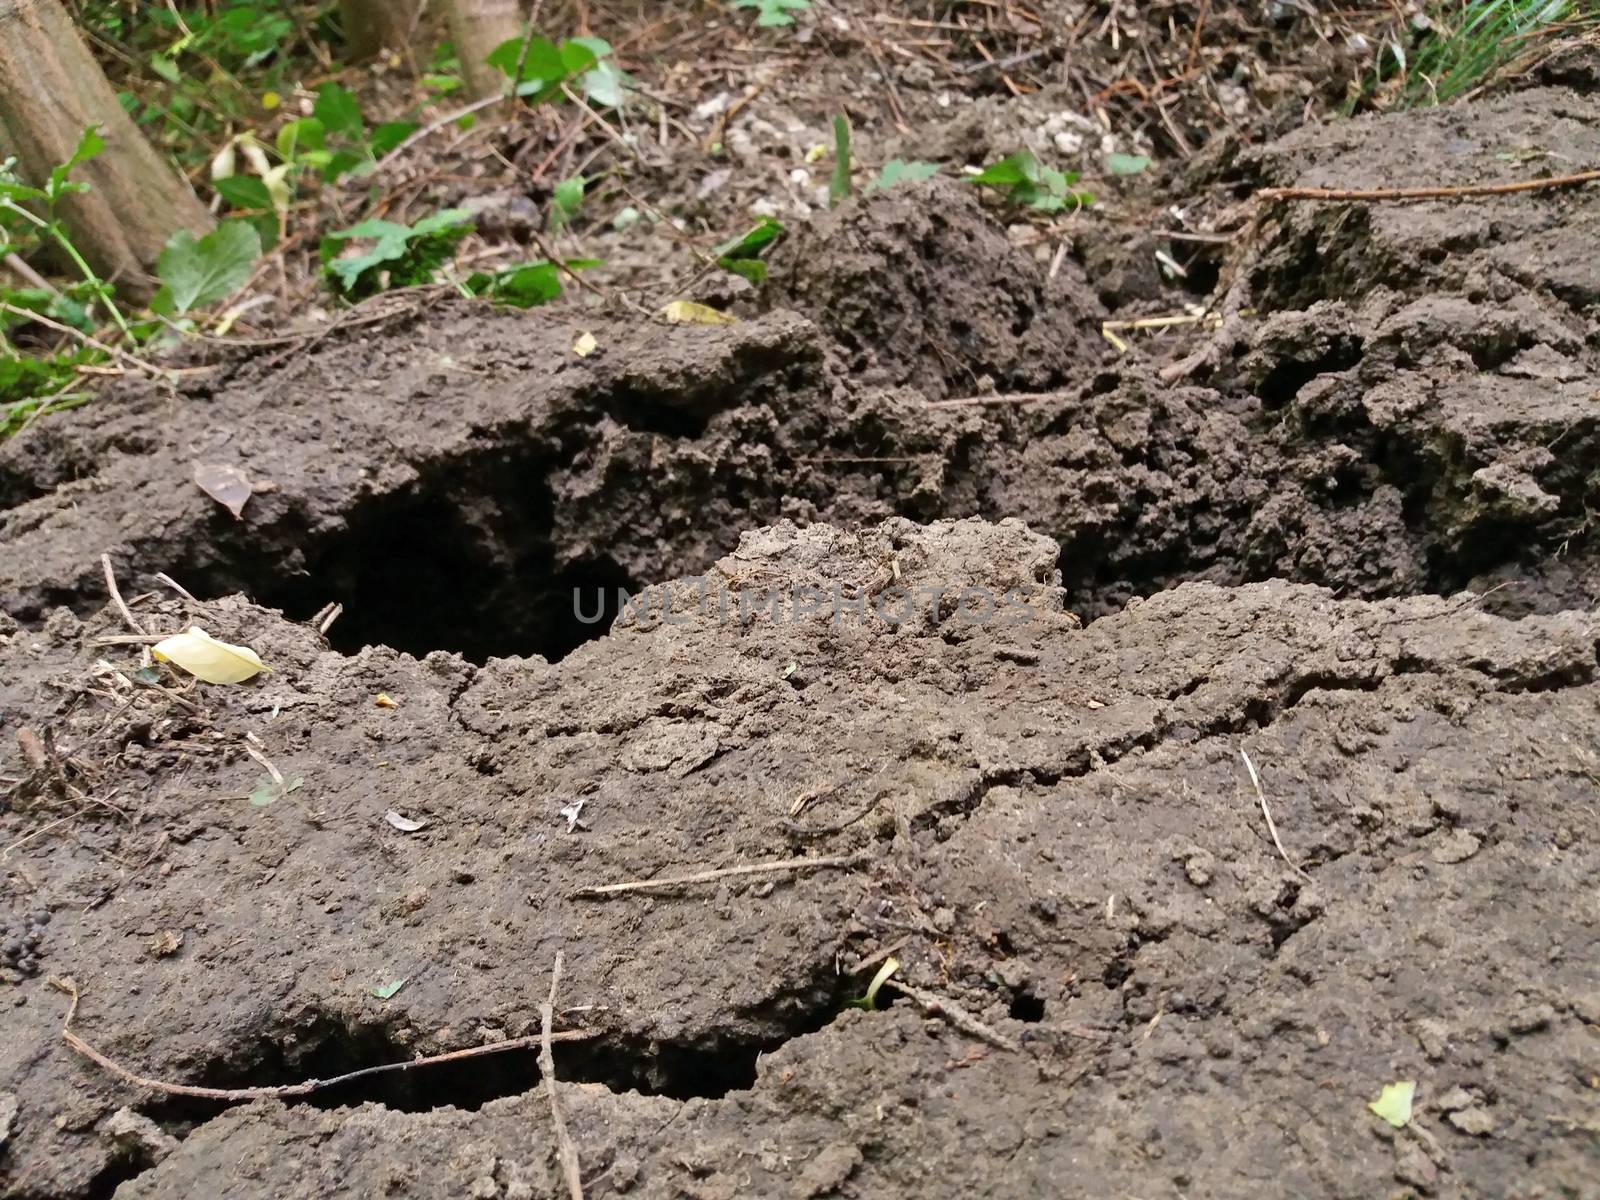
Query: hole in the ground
x=326, y=1048
x=1025, y=1006
x=473, y=572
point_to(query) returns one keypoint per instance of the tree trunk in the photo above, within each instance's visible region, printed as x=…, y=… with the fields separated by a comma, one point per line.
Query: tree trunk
x=51, y=89
x=476, y=28
x=372, y=26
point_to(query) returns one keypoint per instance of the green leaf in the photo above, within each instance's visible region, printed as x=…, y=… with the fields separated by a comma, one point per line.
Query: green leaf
x=870, y=1000
x=742, y=255
x=89, y=145
x=195, y=272
x=523, y=286
x=564, y=203
x=1127, y=164
x=748, y=245
x=166, y=68
x=604, y=85
x=900, y=171
x=244, y=191
x=839, y=184
x=752, y=269
x=542, y=65
x=1394, y=1102
x=576, y=58
x=269, y=791
x=386, y=991
x=297, y=137
x=389, y=135
x=414, y=251
x=774, y=12
x=1018, y=168
x=340, y=112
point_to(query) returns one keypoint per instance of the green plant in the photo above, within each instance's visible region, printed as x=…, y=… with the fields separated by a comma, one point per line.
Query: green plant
x=400, y=255
x=897, y=171
x=839, y=184
x=1461, y=44
x=21, y=228
x=774, y=12
x=526, y=284
x=538, y=69
x=1028, y=182
x=566, y=200
x=197, y=272
x=743, y=255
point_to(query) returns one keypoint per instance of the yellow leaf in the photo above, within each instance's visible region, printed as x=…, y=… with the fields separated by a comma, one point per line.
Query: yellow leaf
x=207, y=659
x=687, y=312
x=277, y=185
x=270, y=100
x=1394, y=1103
x=225, y=162
x=585, y=345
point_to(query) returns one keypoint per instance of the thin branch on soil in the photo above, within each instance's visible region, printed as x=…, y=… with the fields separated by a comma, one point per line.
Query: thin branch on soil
x=178, y=587
x=28, y=275
x=284, y=1091
x=566, y=1152
x=937, y=1006
x=116, y=596
x=837, y=862
x=78, y=335
x=1428, y=193
x=433, y=127
x=1267, y=813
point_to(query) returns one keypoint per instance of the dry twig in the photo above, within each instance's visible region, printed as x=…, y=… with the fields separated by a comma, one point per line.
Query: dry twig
x=1267, y=813
x=1429, y=193
x=938, y=1006
x=566, y=1152
x=116, y=596
x=791, y=864
x=287, y=1090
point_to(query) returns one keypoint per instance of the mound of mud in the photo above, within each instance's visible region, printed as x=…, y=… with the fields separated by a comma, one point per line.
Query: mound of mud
x=1051, y=828
x=861, y=645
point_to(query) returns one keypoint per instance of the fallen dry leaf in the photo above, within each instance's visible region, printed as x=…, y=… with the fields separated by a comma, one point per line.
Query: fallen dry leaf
x=207, y=659
x=228, y=486
x=687, y=312
x=585, y=345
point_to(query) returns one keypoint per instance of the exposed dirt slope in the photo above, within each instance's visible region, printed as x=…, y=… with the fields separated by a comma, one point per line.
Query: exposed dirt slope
x=1051, y=825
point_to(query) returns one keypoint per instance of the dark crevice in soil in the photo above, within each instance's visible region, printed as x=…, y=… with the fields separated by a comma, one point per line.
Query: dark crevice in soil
x=720, y=1062
x=118, y=1171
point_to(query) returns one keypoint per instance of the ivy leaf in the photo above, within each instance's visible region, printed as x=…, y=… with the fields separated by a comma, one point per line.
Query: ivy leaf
x=196, y=272
x=900, y=171
x=774, y=12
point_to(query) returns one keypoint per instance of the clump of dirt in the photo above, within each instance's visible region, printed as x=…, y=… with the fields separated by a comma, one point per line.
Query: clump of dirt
x=917, y=288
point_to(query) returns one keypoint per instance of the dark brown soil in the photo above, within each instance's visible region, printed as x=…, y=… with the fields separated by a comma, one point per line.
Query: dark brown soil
x=1256, y=541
